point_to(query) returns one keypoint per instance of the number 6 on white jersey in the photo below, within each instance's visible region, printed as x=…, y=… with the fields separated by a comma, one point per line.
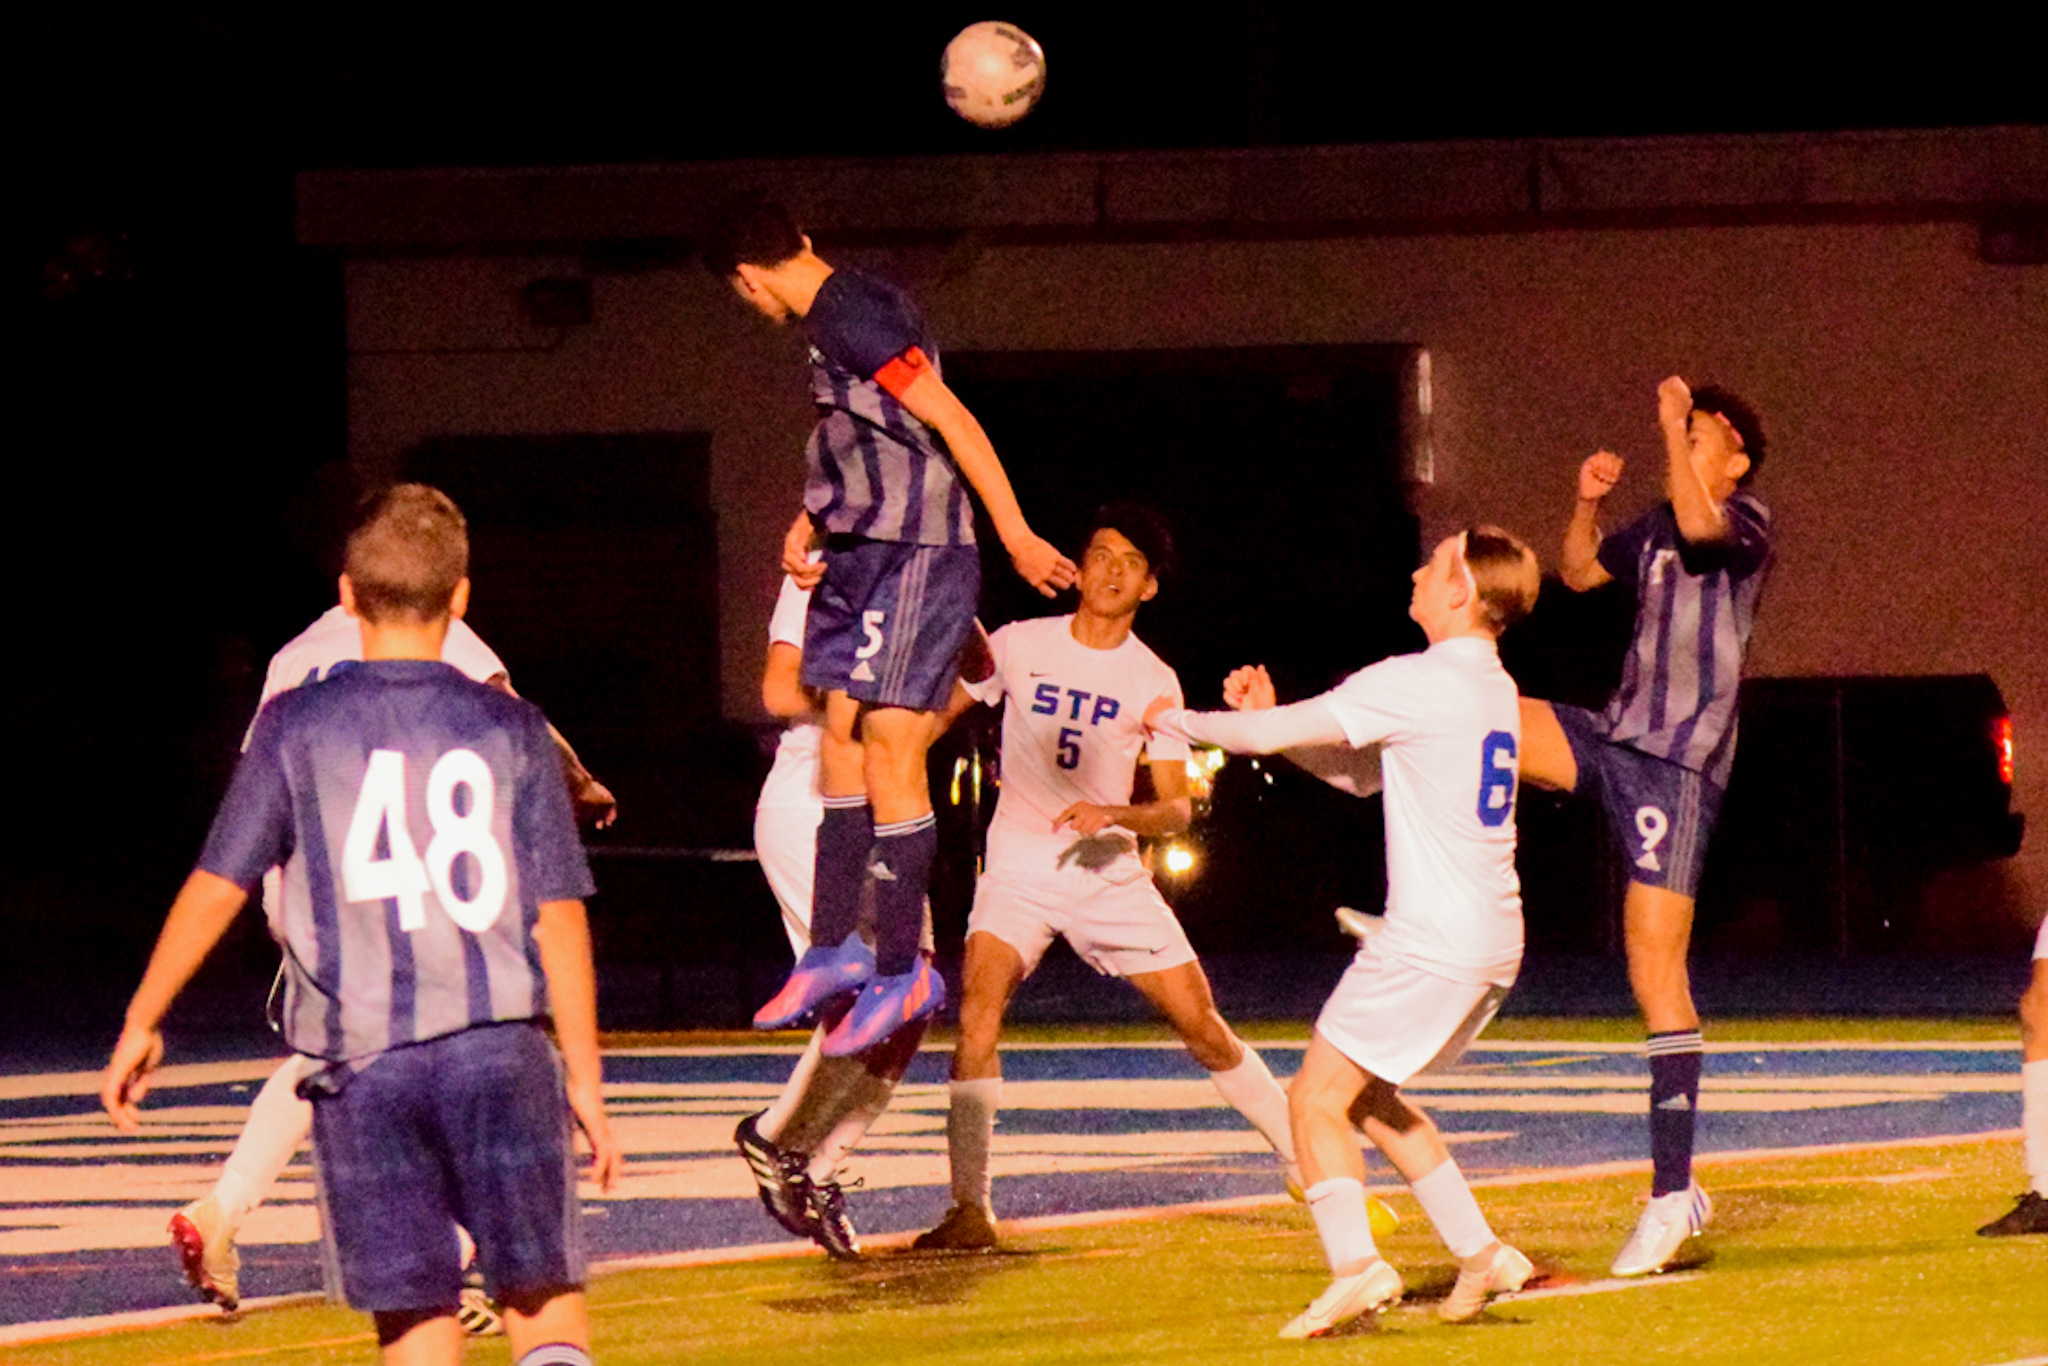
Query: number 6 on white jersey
x=402, y=875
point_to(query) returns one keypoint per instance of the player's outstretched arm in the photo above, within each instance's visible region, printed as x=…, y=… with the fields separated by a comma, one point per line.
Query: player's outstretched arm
x=1036, y=559
x=563, y=934
x=783, y=694
x=206, y=905
x=1266, y=731
x=1579, y=562
x=1700, y=516
x=1355, y=771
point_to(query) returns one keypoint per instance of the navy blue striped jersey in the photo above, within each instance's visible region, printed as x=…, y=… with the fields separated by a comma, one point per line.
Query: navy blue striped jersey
x=421, y=820
x=874, y=470
x=1695, y=606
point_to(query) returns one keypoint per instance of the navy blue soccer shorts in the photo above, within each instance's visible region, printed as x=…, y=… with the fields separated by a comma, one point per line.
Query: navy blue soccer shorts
x=1661, y=813
x=470, y=1128
x=888, y=620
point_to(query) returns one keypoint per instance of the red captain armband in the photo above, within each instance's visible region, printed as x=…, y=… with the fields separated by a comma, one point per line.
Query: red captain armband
x=900, y=373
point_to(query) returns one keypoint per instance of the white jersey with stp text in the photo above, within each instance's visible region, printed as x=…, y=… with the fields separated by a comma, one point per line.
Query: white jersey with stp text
x=793, y=779
x=1450, y=726
x=337, y=638
x=1072, y=732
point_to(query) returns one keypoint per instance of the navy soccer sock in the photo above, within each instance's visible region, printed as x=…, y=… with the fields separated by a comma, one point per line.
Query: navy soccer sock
x=903, y=872
x=845, y=835
x=1674, y=1099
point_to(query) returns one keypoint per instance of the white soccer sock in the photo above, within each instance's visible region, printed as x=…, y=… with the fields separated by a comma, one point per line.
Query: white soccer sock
x=2034, y=1120
x=465, y=1247
x=277, y=1127
x=1338, y=1205
x=865, y=1100
x=556, y=1354
x=970, y=1132
x=1449, y=1205
x=1250, y=1088
x=769, y=1125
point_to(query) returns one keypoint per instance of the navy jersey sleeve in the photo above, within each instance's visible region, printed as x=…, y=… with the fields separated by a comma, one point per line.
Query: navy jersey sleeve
x=252, y=831
x=864, y=325
x=551, y=860
x=1621, y=552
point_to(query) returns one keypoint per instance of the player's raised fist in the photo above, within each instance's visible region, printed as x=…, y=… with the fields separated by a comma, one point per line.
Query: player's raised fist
x=1674, y=402
x=1041, y=565
x=1599, y=475
x=1249, y=689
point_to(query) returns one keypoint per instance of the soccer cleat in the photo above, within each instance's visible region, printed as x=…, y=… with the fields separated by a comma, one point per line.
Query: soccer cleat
x=884, y=1006
x=830, y=1228
x=966, y=1228
x=1504, y=1273
x=2030, y=1215
x=475, y=1310
x=821, y=975
x=785, y=1189
x=206, y=1249
x=1376, y=1287
x=1667, y=1222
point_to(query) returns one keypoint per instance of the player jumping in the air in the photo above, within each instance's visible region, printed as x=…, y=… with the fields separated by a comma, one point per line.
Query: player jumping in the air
x=1421, y=989
x=279, y=1123
x=1063, y=851
x=890, y=464
x=432, y=914
x=1657, y=758
x=795, y=1146
x=2030, y=1215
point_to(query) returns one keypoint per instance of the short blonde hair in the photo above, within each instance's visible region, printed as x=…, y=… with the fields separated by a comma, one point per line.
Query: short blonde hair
x=1506, y=574
x=409, y=550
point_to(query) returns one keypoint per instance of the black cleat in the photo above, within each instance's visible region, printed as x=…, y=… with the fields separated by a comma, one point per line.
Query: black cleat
x=830, y=1228
x=2030, y=1215
x=784, y=1185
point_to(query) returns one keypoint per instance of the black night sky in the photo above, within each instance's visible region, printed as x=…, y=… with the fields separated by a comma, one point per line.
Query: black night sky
x=180, y=418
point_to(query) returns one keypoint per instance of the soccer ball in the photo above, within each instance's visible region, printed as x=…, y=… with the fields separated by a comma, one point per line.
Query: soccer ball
x=992, y=74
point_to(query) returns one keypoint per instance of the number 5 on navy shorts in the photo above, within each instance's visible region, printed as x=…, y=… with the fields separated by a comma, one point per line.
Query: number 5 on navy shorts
x=1661, y=813
x=888, y=619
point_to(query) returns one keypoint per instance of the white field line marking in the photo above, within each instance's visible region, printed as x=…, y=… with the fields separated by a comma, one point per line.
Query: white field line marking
x=1297, y=1045
x=1600, y=1287
x=53, y=1330
x=2026, y=1361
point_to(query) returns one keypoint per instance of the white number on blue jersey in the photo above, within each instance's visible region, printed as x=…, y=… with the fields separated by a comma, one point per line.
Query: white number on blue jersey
x=402, y=875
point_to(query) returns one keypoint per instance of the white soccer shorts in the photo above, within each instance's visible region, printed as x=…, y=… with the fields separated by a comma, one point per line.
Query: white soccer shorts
x=1119, y=928
x=1396, y=1020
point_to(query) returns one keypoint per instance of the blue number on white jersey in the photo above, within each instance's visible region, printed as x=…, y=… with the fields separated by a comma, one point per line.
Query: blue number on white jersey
x=1497, y=771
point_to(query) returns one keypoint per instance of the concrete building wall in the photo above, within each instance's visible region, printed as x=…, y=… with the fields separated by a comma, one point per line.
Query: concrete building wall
x=1904, y=382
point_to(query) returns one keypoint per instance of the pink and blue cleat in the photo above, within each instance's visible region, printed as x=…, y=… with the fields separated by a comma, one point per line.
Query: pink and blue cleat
x=884, y=1006
x=820, y=976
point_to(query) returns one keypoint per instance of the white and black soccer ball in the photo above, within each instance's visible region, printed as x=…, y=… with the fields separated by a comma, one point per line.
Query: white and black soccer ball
x=992, y=73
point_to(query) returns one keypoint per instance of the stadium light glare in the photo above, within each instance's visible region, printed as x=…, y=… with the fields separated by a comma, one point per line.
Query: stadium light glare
x=2001, y=736
x=1179, y=859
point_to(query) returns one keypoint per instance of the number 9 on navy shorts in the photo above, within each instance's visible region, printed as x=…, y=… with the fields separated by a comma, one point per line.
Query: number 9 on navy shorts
x=1661, y=813
x=469, y=1128
x=888, y=619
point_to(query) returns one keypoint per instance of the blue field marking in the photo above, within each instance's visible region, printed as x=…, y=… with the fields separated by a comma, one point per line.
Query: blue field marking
x=1084, y=1128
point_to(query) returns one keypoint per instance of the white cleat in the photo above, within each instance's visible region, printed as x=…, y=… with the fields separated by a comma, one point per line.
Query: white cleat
x=1666, y=1223
x=205, y=1244
x=1376, y=1287
x=1504, y=1273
